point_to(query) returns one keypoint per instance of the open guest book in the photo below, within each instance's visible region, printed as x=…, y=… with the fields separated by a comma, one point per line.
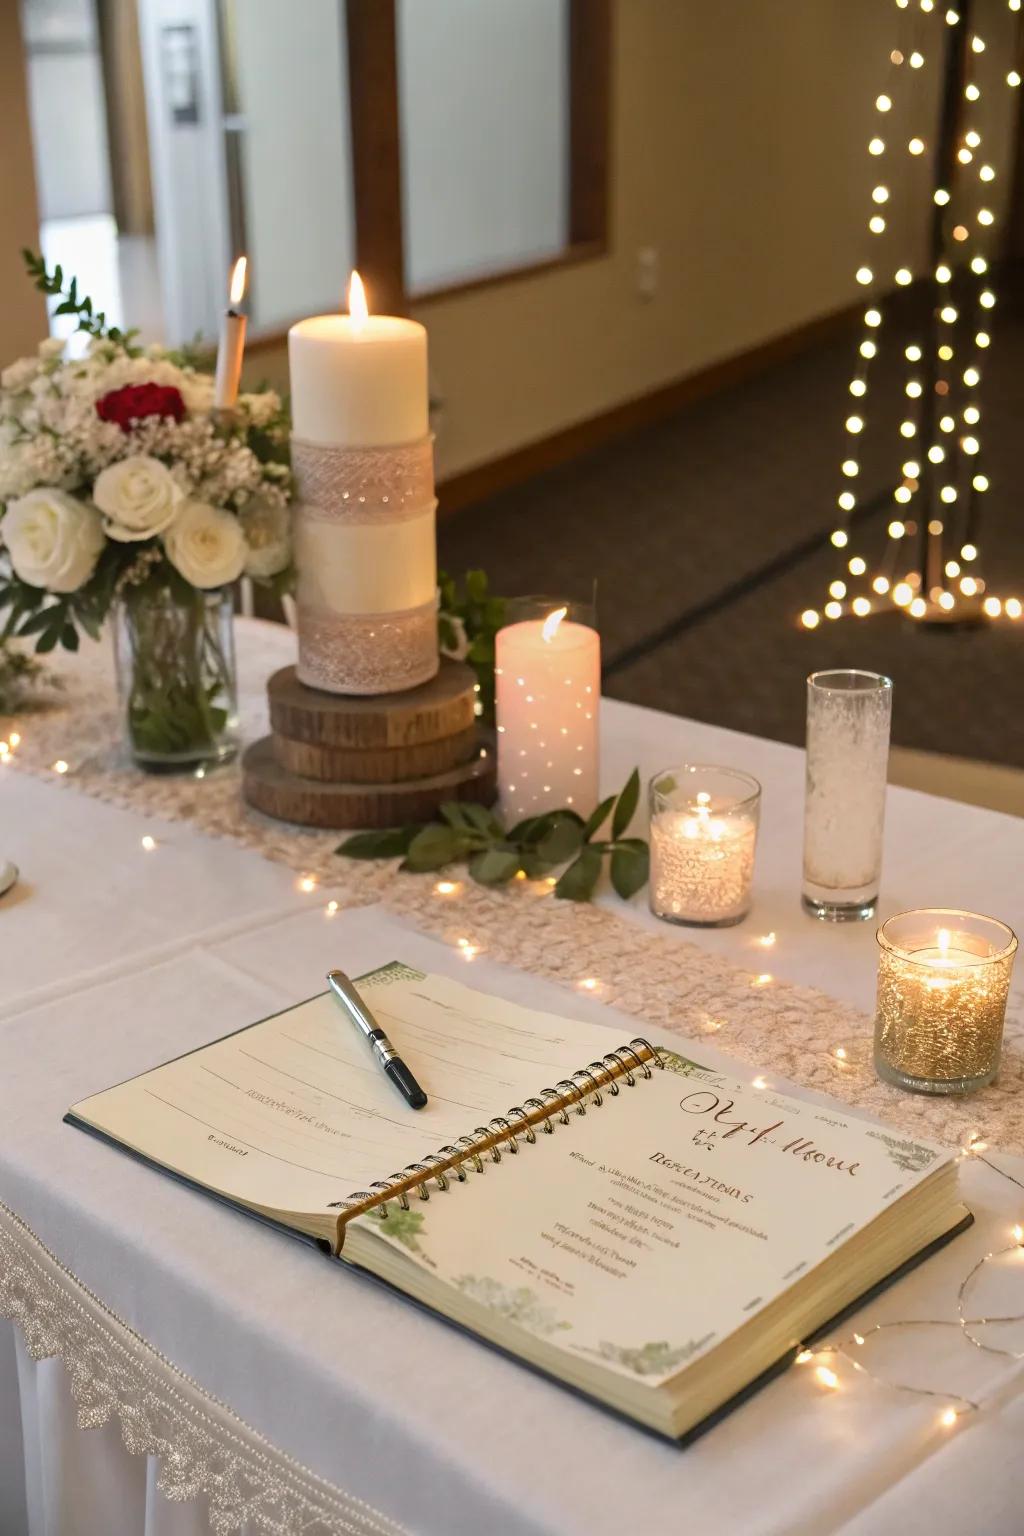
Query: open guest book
x=655, y=1234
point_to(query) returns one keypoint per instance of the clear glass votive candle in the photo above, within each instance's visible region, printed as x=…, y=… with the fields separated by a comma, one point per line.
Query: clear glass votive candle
x=703, y=836
x=848, y=715
x=943, y=981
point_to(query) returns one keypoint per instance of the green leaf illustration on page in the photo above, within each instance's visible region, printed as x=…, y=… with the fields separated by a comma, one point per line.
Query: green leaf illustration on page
x=518, y=1303
x=404, y=1227
x=652, y=1359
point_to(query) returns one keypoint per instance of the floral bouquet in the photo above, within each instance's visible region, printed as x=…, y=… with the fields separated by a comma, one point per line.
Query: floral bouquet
x=122, y=488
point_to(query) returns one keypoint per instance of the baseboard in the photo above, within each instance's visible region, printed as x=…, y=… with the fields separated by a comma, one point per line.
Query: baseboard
x=484, y=480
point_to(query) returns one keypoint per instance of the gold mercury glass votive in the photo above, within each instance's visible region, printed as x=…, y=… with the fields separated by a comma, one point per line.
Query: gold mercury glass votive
x=703, y=837
x=943, y=981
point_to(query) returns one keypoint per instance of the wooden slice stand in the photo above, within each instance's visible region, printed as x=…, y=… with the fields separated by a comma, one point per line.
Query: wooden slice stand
x=380, y=761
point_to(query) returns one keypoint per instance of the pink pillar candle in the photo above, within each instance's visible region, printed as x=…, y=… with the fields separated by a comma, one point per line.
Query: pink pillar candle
x=548, y=683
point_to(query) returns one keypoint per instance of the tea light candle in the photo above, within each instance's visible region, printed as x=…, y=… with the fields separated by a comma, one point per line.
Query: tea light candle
x=548, y=688
x=943, y=981
x=703, y=837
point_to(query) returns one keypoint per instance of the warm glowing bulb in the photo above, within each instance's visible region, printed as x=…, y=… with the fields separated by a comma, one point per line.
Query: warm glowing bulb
x=952, y=17
x=876, y=224
x=148, y=843
x=913, y=389
x=902, y=494
x=858, y=387
x=912, y=354
x=918, y=608
x=864, y=274
x=876, y=147
x=1013, y=607
x=549, y=628
x=948, y=493
x=986, y=216
x=873, y=317
x=839, y=537
x=942, y=273
x=897, y=529
x=952, y=569
x=881, y=585
x=936, y=454
x=969, y=552
x=850, y=467
x=946, y=600
x=837, y=588
x=861, y=607
x=854, y=424
x=883, y=103
x=946, y=423
x=972, y=138
x=60, y=766
x=902, y=593
x=880, y=194
x=945, y=352
x=446, y=887
x=911, y=468
x=972, y=415
x=847, y=500
x=982, y=339
x=1013, y=78
x=804, y=1356
x=833, y=610
x=968, y=586
x=993, y=607
x=979, y=265
x=857, y=566
x=935, y=527
x=980, y=482
x=306, y=883
x=947, y=313
x=960, y=232
x=940, y=196
x=907, y=429
x=972, y=92
x=964, y=156
x=947, y=1417
x=977, y=45
x=904, y=276
x=827, y=1377
x=987, y=299
x=357, y=306
x=916, y=60
x=986, y=173
x=810, y=619
x=970, y=445
x=916, y=146
x=236, y=290
x=867, y=349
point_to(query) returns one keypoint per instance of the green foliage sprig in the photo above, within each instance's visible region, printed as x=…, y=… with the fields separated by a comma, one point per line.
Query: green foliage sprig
x=535, y=847
x=21, y=676
x=92, y=322
x=482, y=615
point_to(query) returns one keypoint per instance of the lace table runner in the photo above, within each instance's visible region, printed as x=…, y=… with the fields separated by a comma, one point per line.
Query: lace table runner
x=795, y=1032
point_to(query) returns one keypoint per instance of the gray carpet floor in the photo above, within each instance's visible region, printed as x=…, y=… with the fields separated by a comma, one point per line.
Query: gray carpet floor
x=707, y=536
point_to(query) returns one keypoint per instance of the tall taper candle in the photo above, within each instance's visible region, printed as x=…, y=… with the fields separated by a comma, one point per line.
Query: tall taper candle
x=365, y=543
x=232, y=344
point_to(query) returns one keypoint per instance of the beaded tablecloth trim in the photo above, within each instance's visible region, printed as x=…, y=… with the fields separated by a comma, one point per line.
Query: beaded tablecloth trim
x=202, y=1447
x=793, y=1031
x=365, y=653
x=362, y=485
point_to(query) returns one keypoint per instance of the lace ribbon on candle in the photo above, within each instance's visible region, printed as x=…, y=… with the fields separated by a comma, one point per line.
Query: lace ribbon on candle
x=360, y=485
x=367, y=652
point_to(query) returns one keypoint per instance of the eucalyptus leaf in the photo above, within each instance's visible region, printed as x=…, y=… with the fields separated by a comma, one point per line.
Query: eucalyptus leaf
x=433, y=846
x=597, y=817
x=629, y=869
x=626, y=804
x=579, y=880
x=390, y=844
x=561, y=842
x=482, y=819
x=494, y=866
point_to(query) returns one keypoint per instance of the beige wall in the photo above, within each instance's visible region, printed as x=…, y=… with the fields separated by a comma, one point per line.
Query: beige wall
x=22, y=311
x=739, y=151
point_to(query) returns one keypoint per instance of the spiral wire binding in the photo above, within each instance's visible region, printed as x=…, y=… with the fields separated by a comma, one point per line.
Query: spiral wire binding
x=500, y=1135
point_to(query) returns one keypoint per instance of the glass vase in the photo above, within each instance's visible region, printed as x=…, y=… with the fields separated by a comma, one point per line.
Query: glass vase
x=175, y=659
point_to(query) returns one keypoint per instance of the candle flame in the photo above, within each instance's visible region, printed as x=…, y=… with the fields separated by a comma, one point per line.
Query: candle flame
x=237, y=288
x=943, y=939
x=357, y=306
x=551, y=623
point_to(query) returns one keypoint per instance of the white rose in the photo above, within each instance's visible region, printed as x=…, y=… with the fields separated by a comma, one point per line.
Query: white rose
x=206, y=545
x=139, y=497
x=54, y=541
x=266, y=526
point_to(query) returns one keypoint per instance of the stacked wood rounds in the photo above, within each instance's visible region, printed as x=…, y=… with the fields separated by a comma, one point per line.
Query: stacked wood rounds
x=380, y=761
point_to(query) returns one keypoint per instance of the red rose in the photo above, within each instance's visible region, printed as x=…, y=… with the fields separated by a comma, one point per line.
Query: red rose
x=128, y=405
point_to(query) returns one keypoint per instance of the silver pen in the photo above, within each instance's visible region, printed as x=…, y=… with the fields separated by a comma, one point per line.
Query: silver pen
x=378, y=1041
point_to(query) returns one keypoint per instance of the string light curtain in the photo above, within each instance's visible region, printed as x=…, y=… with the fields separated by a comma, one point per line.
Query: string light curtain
x=930, y=565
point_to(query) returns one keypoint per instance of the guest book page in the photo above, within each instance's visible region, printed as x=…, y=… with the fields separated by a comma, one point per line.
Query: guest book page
x=294, y=1113
x=646, y=1232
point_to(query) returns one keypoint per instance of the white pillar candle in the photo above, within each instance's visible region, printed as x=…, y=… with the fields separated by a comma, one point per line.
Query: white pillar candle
x=231, y=348
x=548, y=687
x=365, y=543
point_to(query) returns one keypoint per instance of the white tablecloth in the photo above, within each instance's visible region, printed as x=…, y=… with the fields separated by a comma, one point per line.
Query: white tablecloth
x=114, y=958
